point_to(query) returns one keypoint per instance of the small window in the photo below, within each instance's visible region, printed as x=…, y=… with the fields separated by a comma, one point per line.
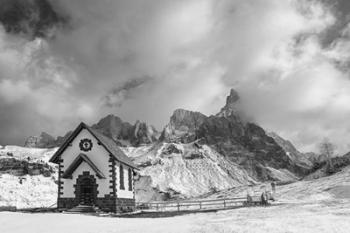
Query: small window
x=130, y=179
x=121, y=177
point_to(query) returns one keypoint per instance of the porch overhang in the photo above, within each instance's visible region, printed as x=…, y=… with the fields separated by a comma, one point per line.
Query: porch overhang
x=68, y=174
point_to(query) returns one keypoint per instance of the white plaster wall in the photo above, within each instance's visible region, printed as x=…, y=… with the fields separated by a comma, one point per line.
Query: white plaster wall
x=124, y=193
x=98, y=155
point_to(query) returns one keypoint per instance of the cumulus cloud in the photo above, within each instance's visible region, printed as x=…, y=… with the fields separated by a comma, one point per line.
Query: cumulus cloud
x=101, y=59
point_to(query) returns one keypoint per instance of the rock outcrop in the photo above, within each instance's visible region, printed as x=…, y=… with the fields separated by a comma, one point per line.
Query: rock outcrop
x=315, y=157
x=44, y=140
x=296, y=156
x=246, y=144
x=183, y=126
x=125, y=134
x=143, y=134
x=23, y=167
x=114, y=128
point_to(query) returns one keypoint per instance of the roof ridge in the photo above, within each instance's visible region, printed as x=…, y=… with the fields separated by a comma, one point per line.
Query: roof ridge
x=109, y=144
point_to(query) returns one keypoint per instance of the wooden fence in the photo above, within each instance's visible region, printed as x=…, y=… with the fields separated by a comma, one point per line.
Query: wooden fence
x=167, y=206
x=192, y=205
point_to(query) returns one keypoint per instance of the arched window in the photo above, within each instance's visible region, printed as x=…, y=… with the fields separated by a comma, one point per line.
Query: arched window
x=121, y=177
x=130, y=179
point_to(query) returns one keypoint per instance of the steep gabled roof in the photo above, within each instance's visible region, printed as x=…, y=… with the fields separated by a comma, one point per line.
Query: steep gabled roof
x=75, y=164
x=106, y=142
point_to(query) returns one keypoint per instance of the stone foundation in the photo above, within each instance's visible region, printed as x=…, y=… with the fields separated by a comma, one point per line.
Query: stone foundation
x=125, y=205
x=106, y=204
x=64, y=203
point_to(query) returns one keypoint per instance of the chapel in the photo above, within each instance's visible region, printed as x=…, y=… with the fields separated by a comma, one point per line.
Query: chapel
x=94, y=172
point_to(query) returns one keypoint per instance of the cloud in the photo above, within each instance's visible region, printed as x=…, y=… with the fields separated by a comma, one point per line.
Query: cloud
x=30, y=18
x=119, y=94
x=36, y=85
x=312, y=88
x=100, y=59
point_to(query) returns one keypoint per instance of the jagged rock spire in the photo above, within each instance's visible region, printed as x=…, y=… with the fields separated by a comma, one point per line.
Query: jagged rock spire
x=231, y=105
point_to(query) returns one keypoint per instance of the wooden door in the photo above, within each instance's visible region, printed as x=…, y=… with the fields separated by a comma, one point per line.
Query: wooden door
x=87, y=191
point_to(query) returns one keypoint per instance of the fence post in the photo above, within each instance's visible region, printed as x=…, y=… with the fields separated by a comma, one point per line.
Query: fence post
x=157, y=206
x=224, y=204
x=178, y=206
x=200, y=205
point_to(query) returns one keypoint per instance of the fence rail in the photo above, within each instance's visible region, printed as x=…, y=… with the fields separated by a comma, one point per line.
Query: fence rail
x=190, y=205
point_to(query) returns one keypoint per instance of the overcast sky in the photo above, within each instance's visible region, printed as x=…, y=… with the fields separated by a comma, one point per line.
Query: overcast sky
x=142, y=59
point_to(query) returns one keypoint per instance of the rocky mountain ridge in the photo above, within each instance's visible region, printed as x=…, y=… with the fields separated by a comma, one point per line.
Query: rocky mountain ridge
x=123, y=133
x=228, y=133
x=302, y=159
x=235, y=138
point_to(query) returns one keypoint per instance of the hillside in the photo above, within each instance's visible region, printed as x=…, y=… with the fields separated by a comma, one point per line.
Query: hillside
x=168, y=170
x=302, y=159
x=187, y=169
x=322, y=168
x=26, y=177
x=328, y=188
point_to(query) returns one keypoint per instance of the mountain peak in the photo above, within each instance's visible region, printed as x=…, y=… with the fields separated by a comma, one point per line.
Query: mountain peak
x=233, y=97
x=110, y=117
x=230, y=107
x=123, y=133
x=182, y=126
x=185, y=117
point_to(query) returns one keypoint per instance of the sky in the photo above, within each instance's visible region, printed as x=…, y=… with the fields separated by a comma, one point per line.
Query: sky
x=68, y=61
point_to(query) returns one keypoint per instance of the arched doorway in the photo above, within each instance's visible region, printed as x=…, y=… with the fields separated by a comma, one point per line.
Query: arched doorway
x=86, y=190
